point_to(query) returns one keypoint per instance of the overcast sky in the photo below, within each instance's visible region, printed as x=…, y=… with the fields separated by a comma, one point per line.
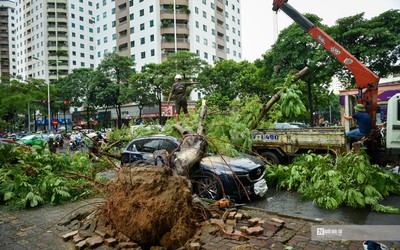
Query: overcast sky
x=259, y=32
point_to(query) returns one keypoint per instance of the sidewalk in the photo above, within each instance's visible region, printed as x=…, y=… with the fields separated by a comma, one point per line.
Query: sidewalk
x=40, y=229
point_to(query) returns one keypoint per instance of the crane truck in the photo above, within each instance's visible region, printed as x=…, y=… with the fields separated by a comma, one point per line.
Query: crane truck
x=383, y=145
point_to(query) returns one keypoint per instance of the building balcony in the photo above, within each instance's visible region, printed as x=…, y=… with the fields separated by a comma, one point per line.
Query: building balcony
x=180, y=29
x=60, y=28
x=177, y=2
x=182, y=43
x=169, y=14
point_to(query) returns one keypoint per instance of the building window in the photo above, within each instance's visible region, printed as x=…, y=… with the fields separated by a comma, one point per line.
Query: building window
x=105, y=39
x=81, y=18
x=197, y=39
x=212, y=6
x=73, y=25
x=91, y=39
x=204, y=2
x=131, y=17
x=196, y=10
x=113, y=11
x=205, y=55
x=114, y=23
x=205, y=27
x=81, y=27
x=204, y=14
x=72, y=6
x=73, y=44
x=73, y=16
x=205, y=41
x=132, y=30
x=151, y=9
x=142, y=26
x=80, y=9
x=82, y=46
x=73, y=34
x=114, y=36
x=82, y=36
x=152, y=52
x=104, y=14
x=91, y=48
x=197, y=24
x=104, y=2
x=151, y=38
x=142, y=40
x=91, y=30
x=151, y=23
x=213, y=19
x=132, y=44
x=143, y=55
x=105, y=27
x=83, y=55
x=141, y=12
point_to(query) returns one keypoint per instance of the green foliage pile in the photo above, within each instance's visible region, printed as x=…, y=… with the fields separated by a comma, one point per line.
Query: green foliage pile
x=347, y=180
x=35, y=177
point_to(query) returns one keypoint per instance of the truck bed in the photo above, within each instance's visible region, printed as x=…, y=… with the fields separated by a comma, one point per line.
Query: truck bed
x=300, y=140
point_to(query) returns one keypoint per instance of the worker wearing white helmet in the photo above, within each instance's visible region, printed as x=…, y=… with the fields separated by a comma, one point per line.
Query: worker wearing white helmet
x=179, y=92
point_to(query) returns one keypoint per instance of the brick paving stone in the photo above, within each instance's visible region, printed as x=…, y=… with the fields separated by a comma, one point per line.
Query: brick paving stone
x=40, y=229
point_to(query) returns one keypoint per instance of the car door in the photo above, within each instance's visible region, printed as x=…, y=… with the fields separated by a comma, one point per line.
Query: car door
x=141, y=150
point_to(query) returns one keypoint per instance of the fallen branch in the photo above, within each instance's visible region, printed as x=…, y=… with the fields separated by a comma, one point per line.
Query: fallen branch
x=275, y=98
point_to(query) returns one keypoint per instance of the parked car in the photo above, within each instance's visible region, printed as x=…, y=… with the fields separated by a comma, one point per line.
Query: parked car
x=34, y=139
x=281, y=125
x=212, y=177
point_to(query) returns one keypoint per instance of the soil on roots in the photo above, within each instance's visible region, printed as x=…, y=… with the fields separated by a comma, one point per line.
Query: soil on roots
x=151, y=207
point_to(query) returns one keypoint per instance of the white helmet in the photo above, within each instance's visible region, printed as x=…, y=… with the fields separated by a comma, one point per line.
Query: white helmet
x=51, y=136
x=178, y=76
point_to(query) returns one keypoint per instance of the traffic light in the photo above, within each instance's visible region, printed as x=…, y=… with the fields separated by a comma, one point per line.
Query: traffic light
x=65, y=102
x=44, y=101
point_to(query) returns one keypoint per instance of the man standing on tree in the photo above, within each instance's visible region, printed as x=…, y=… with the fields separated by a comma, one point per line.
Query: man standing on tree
x=179, y=92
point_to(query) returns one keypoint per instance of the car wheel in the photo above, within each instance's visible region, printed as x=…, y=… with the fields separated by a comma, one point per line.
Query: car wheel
x=125, y=160
x=271, y=158
x=207, y=185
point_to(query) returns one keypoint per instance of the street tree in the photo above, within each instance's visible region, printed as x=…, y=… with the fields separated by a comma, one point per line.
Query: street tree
x=76, y=87
x=15, y=96
x=375, y=42
x=145, y=87
x=228, y=80
x=117, y=70
x=186, y=63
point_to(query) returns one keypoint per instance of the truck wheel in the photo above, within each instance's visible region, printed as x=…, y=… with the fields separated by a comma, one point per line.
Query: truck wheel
x=271, y=158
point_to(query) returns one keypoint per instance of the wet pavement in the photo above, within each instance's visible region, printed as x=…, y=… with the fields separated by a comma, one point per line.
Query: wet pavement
x=41, y=228
x=289, y=203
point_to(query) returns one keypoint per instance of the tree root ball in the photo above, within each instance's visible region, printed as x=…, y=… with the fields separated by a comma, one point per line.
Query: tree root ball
x=151, y=207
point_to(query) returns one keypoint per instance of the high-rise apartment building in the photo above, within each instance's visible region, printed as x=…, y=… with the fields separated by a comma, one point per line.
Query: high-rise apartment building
x=7, y=39
x=55, y=36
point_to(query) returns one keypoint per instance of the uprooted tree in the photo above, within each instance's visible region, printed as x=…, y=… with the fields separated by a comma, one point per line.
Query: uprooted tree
x=153, y=205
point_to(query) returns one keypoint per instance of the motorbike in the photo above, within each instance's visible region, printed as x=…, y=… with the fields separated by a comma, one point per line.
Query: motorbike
x=73, y=145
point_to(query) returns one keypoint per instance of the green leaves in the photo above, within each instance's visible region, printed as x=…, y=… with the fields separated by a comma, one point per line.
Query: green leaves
x=348, y=180
x=36, y=177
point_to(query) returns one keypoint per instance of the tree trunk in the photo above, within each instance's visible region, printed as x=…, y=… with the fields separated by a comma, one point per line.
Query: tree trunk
x=275, y=98
x=193, y=146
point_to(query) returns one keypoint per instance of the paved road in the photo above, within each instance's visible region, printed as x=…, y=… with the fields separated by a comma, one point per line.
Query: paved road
x=40, y=229
x=289, y=203
x=37, y=228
